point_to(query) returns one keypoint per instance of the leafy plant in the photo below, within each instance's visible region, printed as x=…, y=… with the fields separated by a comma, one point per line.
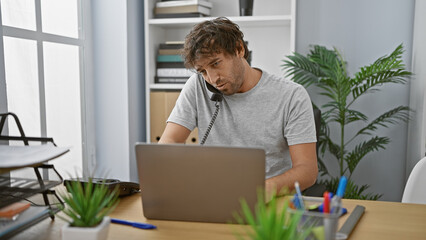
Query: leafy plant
x=326, y=69
x=88, y=205
x=269, y=222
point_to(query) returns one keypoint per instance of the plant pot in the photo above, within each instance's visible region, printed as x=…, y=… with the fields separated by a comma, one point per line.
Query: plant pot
x=99, y=232
x=246, y=7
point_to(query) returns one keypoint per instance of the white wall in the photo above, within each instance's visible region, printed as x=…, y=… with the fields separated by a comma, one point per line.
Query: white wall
x=417, y=127
x=364, y=30
x=3, y=94
x=111, y=88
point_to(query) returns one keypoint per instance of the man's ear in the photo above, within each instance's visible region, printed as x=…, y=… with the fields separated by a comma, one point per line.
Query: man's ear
x=240, y=51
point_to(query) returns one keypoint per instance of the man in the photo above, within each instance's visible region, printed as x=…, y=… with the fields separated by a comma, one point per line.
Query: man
x=258, y=109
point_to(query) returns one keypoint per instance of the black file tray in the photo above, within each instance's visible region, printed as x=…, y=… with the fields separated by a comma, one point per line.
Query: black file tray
x=18, y=189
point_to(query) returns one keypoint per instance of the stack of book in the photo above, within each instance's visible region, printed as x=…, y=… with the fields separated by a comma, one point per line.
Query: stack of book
x=170, y=66
x=182, y=8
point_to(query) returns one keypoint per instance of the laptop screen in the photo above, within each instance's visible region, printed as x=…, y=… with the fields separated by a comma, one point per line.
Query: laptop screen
x=198, y=183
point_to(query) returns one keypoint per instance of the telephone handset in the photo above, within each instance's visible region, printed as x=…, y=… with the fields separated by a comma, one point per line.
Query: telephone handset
x=217, y=95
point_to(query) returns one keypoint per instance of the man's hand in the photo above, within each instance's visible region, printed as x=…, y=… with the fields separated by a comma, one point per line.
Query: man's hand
x=304, y=170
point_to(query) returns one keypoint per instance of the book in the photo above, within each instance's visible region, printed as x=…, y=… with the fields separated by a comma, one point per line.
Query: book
x=169, y=51
x=174, y=72
x=175, y=42
x=170, y=79
x=183, y=9
x=10, y=211
x=169, y=58
x=170, y=65
x=179, y=15
x=184, y=3
x=26, y=218
x=171, y=45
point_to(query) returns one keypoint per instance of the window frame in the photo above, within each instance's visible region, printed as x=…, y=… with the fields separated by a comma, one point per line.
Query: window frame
x=84, y=43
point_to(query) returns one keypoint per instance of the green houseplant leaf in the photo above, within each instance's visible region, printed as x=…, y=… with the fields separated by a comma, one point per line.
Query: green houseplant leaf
x=87, y=206
x=326, y=69
x=270, y=221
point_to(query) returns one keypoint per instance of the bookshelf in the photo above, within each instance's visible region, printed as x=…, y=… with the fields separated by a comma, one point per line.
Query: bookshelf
x=270, y=33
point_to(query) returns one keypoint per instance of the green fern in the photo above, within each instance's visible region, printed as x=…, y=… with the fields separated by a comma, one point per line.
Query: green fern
x=353, y=191
x=355, y=156
x=326, y=69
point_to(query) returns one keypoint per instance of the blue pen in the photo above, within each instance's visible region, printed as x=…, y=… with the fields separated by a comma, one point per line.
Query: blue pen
x=296, y=201
x=133, y=224
x=336, y=203
x=299, y=195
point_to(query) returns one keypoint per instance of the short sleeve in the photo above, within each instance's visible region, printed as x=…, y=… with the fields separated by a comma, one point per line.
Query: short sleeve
x=185, y=112
x=300, y=125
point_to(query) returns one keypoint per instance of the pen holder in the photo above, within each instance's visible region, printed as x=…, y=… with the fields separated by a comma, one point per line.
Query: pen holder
x=324, y=225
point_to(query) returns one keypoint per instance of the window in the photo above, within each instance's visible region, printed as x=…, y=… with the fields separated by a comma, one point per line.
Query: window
x=44, y=58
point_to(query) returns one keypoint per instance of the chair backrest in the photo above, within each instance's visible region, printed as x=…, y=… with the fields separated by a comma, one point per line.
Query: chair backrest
x=317, y=119
x=316, y=190
x=415, y=188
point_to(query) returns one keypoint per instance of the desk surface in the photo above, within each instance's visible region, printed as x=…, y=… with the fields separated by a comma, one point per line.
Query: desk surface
x=381, y=220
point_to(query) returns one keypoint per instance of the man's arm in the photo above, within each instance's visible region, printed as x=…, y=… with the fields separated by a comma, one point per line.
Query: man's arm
x=174, y=133
x=304, y=170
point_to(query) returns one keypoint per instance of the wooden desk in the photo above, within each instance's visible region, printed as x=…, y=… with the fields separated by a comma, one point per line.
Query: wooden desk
x=381, y=220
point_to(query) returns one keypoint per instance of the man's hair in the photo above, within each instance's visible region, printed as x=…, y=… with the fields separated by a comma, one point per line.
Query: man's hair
x=213, y=37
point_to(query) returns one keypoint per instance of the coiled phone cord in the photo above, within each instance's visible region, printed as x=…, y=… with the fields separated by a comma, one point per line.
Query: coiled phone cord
x=216, y=112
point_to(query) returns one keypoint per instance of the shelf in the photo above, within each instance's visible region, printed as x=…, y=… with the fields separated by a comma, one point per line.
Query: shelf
x=163, y=86
x=247, y=21
x=14, y=189
x=26, y=219
x=270, y=32
x=20, y=189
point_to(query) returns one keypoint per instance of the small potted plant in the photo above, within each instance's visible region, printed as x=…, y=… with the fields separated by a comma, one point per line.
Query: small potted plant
x=270, y=221
x=87, y=208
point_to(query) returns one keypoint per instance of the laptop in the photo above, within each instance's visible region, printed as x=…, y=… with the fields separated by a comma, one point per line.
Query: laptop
x=198, y=183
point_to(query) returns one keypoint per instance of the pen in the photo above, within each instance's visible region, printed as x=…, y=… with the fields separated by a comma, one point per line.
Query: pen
x=133, y=224
x=326, y=202
x=336, y=204
x=295, y=201
x=321, y=206
x=299, y=195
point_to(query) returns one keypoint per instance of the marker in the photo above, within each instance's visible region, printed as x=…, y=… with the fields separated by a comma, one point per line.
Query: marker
x=299, y=195
x=133, y=224
x=321, y=207
x=336, y=203
x=342, y=186
x=326, y=202
x=296, y=201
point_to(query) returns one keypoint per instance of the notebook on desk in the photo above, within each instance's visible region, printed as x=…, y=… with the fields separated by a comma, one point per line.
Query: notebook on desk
x=198, y=183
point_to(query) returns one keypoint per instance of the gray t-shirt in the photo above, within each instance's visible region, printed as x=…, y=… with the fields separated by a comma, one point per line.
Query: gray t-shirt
x=272, y=115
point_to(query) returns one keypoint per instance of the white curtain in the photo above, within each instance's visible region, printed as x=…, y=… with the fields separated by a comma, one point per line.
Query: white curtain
x=416, y=144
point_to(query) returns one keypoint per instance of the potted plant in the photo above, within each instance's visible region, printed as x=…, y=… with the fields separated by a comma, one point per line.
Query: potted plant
x=326, y=69
x=269, y=222
x=87, y=208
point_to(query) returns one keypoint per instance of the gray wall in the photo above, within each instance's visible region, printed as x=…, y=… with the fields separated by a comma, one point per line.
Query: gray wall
x=111, y=88
x=364, y=30
x=119, y=85
x=136, y=84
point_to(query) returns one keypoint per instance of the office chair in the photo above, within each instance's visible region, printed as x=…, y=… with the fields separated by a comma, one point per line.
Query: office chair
x=415, y=188
x=317, y=189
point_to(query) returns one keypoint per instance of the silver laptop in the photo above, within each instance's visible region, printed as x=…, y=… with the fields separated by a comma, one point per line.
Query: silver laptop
x=198, y=183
